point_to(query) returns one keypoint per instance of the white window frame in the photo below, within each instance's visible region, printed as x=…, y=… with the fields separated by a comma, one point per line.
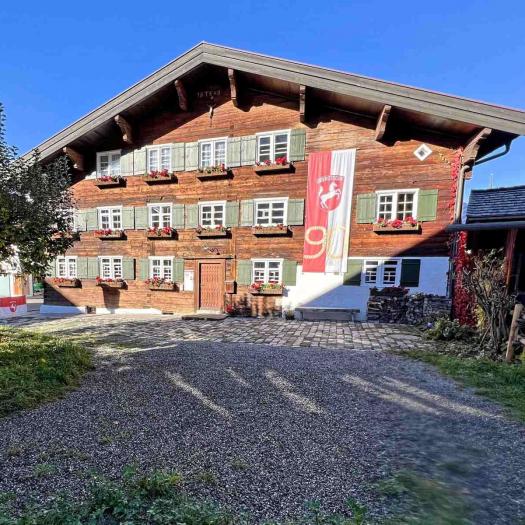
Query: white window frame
x=213, y=203
x=160, y=258
x=67, y=273
x=158, y=149
x=272, y=135
x=112, y=259
x=267, y=268
x=256, y=202
x=395, y=196
x=380, y=271
x=109, y=154
x=110, y=208
x=150, y=213
x=212, y=142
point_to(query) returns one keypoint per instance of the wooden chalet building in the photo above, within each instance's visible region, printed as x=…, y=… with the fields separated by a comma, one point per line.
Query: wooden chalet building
x=229, y=180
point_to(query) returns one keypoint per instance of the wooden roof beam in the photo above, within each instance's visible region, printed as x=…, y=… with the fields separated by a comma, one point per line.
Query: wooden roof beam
x=234, y=87
x=382, y=122
x=181, y=92
x=125, y=128
x=76, y=158
x=471, y=150
x=302, y=103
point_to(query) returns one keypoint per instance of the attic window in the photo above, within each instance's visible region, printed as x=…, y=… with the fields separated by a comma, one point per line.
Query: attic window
x=272, y=146
x=212, y=153
x=108, y=163
x=422, y=152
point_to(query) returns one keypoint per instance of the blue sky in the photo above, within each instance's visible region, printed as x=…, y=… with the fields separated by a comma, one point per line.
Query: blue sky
x=60, y=59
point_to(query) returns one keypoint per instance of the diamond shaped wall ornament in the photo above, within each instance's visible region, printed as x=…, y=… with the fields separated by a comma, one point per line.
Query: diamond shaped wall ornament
x=422, y=152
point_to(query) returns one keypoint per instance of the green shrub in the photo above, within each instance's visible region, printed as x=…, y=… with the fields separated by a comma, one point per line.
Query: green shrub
x=445, y=329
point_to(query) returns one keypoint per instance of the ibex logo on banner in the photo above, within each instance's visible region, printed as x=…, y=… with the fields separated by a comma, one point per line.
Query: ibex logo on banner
x=12, y=306
x=330, y=191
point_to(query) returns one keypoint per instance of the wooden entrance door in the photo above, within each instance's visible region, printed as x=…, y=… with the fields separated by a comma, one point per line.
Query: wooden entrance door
x=211, y=282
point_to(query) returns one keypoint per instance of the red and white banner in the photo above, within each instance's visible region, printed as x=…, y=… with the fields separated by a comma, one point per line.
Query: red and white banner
x=328, y=210
x=12, y=305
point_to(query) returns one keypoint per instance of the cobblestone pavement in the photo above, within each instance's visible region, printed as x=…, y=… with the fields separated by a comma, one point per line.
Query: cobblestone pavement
x=143, y=331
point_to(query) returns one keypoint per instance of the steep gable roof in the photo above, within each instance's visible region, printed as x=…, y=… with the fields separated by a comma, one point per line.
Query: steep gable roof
x=496, y=204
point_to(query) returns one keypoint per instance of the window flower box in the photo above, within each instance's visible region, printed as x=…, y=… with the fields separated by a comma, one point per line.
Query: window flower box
x=161, y=233
x=66, y=282
x=108, y=181
x=111, y=283
x=278, y=229
x=156, y=177
x=266, y=289
x=281, y=165
x=408, y=225
x=109, y=234
x=156, y=283
x=214, y=172
x=207, y=232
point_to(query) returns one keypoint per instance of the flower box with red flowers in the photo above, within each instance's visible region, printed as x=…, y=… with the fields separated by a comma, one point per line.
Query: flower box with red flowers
x=407, y=225
x=157, y=283
x=271, y=288
x=212, y=231
x=159, y=177
x=213, y=172
x=161, y=233
x=110, y=283
x=109, y=234
x=108, y=181
x=277, y=229
x=65, y=282
x=281, y=165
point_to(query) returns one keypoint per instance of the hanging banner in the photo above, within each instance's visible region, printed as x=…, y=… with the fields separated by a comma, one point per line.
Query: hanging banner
x=12, y=305
x=328, y=210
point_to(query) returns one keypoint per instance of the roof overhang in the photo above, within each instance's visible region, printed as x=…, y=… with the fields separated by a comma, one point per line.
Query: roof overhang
x=486, y=226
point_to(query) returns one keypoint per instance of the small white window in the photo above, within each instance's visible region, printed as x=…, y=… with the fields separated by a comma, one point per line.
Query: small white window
x=110, y=218
x=108, y=163
x=371, y=271
x=270, y=212
x=273, y=146
x=67, y=267
x=212, y=153
x=111, y=267
x=161, y=268
x=212, y=214
x=382, y=273
x=159, y=158
x=397, y=204
x=159, y=215
x=267, y=271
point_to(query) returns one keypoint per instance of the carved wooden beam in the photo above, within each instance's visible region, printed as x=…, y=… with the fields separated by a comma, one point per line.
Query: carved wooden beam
x=471, y=150
x=181, y=92
x=233, y=87
x=125, y=127
x=76, y=158
x=302, y=103
x=382, y=121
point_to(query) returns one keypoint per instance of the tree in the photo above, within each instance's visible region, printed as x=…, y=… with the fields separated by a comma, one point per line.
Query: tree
x=35, y=207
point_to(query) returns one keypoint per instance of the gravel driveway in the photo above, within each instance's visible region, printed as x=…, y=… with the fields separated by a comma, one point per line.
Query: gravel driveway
x=266, y=428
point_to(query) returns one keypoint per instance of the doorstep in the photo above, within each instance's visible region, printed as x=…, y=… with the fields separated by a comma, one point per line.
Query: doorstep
x=204, y=316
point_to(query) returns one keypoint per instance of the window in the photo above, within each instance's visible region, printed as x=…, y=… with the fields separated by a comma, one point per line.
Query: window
x=211, y=214
x=267, y=271
x=398, y=204
x=67, y=267
x=270, y=212
x=108, y=163
x=111, y=267
x=159, y=215
x=159, y=158
x=212, y=153
x=271, y=146
x=381, y=272
x=110, y=218
x=161, y=267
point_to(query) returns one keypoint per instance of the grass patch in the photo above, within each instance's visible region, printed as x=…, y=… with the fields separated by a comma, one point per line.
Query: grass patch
x=35, y=368
x=500, y=382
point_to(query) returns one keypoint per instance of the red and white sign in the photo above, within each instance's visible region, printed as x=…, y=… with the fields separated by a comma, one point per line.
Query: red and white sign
x=328, y=210
x=12, y=305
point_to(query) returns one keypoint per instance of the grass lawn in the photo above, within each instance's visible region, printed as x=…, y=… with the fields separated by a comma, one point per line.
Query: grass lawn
x=500, y=382
x=36, y=368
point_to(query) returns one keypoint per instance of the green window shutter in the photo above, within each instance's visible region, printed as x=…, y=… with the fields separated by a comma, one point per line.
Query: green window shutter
x=244, y=272
x=427, y=205
x=128, y=268
x=91, y=219
x=126, y=163
x=177, y=156
x=139, y=161
x=82, y=267
x=144, y=269
x=128, y=218
x=410, y=269
x=52, y=269
x=233, y=156
x=297, y=144
x=366, y=208
x=295, y=212
x=92, y=267
x=141, y=218
x=178, y=270
x=289, y=272
x=232, y=214
x=248, y=145
x=191, y=156
x=192, y=215
x=352, y=277
x=81, y=219
x=177, y=216
x=247, y=213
